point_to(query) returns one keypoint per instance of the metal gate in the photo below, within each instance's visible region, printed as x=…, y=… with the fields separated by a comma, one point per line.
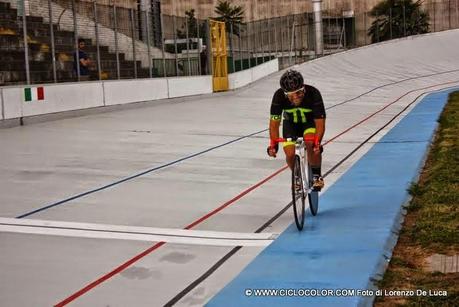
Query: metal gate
x=219, y=56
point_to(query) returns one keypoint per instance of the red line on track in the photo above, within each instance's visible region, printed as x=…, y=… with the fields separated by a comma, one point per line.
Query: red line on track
x=205, y=217
x=220, y=208
x=107, y=276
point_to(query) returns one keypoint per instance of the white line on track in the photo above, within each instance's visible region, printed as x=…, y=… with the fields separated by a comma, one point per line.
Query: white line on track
x=150, y=234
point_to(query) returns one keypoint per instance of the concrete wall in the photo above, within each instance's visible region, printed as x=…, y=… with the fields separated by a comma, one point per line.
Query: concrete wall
x=58, y=98
x=66, y=97
x=244, y=77
x=187, y=86
x=240, y=78
x=264, y=69
x=128, y=91
x=79, y=96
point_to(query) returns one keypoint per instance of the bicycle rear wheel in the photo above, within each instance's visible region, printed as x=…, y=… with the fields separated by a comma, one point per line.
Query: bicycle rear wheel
x=298, y=194
x=313, y=196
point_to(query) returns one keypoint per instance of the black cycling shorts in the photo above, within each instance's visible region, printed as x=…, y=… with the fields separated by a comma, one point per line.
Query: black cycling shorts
x=296, y=130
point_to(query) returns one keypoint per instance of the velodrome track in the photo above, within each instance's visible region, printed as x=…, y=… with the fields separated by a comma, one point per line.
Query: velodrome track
x=197, y=164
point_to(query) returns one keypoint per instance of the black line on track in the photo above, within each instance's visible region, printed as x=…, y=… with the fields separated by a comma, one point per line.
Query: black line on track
x=134, y=176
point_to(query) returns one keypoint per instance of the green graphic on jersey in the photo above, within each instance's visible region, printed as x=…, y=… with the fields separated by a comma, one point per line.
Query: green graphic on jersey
x=275, y=117
x=298, y=112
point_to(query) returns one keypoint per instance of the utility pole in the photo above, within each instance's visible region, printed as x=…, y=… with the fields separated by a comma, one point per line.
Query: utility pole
x=317, y=8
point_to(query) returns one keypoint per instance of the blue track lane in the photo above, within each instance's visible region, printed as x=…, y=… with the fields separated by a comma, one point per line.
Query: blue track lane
x=348, y=243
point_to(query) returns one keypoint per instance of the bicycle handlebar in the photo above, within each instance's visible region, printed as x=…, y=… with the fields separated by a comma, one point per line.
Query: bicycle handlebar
x=315, y=139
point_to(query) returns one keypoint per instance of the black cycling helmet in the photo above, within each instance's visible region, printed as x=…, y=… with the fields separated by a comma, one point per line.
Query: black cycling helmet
x=291, y=81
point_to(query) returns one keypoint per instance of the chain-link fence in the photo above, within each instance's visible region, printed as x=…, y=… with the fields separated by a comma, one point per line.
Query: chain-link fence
x=289, y=38
x=186, y=40
x=42, y=41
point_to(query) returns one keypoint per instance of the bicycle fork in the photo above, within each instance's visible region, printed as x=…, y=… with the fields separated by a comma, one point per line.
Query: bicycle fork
x=301, y=152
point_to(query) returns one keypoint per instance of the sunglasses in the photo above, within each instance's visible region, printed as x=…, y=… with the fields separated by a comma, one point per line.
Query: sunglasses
x=295, y=93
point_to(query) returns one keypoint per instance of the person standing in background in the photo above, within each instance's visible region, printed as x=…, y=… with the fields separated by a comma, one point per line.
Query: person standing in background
x=84, y=60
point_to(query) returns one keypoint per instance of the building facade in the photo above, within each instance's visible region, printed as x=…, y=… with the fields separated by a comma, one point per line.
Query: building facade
x=262, y=9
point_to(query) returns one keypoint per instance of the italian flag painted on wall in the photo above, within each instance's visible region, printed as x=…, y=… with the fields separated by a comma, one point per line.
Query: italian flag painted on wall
x=34, y=93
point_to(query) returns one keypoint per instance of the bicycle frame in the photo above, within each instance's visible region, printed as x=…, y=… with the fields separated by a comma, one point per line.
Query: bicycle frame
x=301, y=152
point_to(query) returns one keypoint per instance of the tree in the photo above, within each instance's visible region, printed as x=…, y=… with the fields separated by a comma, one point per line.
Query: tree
x=231, y=15
x=397, y=18
x=192, y=27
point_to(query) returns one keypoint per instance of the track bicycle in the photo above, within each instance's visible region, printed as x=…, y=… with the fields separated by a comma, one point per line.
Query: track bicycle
x=302, y=183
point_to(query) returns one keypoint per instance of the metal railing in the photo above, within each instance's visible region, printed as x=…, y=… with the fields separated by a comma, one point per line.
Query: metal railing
x=39, y=39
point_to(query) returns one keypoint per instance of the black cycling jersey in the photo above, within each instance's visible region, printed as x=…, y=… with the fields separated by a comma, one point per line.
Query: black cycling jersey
x=312, y=107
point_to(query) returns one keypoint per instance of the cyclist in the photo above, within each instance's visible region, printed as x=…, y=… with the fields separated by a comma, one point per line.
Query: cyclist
x=303, y=112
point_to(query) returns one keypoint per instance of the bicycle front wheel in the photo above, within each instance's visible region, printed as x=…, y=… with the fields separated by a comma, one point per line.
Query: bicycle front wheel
x=298, y=194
